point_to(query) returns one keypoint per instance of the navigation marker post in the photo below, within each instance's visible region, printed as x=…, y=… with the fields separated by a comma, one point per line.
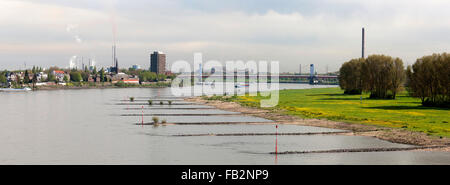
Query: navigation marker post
x=276, y=143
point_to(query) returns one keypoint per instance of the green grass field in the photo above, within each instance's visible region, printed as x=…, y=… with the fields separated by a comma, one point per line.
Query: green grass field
x=330, y=103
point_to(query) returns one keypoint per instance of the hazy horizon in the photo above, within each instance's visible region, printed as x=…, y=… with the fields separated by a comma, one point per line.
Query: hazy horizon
x=325, y=32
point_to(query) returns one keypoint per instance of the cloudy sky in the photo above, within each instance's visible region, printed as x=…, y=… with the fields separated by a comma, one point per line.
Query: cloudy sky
x=324, y=32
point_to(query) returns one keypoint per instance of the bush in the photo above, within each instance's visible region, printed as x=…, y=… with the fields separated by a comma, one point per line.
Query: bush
x=120, y=84
x=161, y=103
x=155, y=120
x=131, y=99
x=150, y=102
x=170, y=102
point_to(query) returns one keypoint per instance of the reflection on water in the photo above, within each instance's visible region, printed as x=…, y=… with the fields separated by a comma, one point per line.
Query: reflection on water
x=82, y=127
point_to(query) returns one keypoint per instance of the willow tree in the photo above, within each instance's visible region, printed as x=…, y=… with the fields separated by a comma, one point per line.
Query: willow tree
x=397, y=76
x=429, y=80
x=382, y=76
x=350, y=76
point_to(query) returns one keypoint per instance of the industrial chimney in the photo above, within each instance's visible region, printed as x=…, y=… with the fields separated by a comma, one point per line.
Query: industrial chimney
x=363, y=43
x=115, y=62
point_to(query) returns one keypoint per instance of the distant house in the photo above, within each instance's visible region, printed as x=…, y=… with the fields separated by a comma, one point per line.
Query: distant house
x=119, y=77
x=131, y=81
x=41, y=76
x=13, y=76
x=59, y=75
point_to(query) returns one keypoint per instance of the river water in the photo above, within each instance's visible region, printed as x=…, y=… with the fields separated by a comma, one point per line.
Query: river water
x=99, y=126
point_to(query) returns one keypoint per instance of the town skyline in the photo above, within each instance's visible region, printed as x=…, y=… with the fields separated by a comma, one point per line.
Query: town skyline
x=325, y=33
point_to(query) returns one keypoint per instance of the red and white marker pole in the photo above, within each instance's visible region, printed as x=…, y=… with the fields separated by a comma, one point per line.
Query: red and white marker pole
x=276, y=139
x=276, y=144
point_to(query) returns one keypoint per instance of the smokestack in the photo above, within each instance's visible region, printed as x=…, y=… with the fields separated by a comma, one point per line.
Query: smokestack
x=117, y=61
x=363, y=43
x=112, y=56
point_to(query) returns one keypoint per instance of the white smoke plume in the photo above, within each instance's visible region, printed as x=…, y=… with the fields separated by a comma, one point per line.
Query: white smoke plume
x=72, y=63
x=73, y=29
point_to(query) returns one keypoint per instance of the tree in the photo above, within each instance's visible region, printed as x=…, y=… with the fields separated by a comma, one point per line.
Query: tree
x=382, y=76
x=26, y=78
x=132, y=71
x=102, y=75
x=34, y=80
x=350, y=76
x=3, y=79
x=397, y=72
x=147, y=76
x=75, y=76
x=429, y=80
x=65, y=79
x=161, y=77
x=51, y=77
x=85, y=75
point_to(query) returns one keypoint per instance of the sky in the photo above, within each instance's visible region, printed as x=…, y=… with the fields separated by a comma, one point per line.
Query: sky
x=294, y=32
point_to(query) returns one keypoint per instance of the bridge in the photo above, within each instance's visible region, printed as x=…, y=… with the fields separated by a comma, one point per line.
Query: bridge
x=283, y=78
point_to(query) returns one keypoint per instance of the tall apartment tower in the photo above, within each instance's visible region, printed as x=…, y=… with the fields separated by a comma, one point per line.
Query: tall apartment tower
x=158, y=62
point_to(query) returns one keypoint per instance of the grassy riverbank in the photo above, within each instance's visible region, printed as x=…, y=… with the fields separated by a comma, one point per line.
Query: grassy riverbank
x=330, y=103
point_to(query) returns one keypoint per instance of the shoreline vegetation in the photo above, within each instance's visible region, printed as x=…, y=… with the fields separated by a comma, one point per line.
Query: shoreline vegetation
x=401, y=120
x=39, y=78
x=102, y=85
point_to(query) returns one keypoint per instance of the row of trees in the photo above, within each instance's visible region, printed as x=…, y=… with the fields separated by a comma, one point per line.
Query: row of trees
x=83, y=75
x=147, y=76
x=429, y=80
x=381, y=75
x=3, y=79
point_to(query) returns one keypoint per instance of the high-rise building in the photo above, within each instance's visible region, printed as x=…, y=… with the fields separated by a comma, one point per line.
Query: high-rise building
x=158, y=62
x=136, y=67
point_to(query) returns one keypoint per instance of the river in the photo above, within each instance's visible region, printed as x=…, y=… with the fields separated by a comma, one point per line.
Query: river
x=88, y=126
